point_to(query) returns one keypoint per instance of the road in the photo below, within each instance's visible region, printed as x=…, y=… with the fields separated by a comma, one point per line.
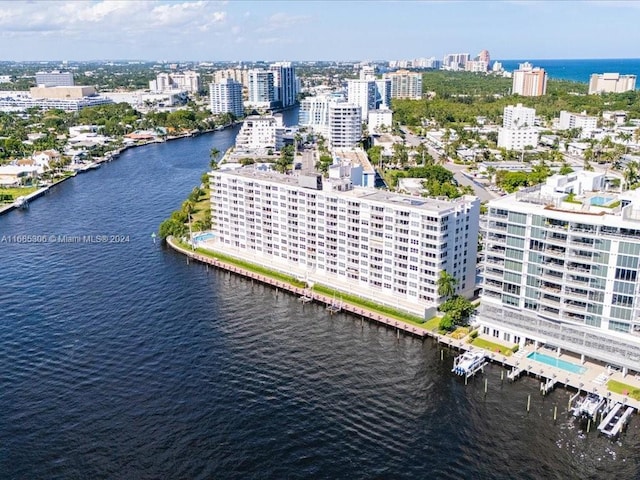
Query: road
x=482, y=193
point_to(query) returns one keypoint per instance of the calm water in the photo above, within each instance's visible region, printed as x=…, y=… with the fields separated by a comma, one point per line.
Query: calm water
x=580, y=70
x=122, y=361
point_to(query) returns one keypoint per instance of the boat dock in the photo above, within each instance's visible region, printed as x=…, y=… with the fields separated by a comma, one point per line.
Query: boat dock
x=615, y=420
x=592, y=380
x=306, y=295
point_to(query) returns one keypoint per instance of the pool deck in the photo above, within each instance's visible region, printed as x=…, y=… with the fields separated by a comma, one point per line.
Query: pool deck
x=593, y=380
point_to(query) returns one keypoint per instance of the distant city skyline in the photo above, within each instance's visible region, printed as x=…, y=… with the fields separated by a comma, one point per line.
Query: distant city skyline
x=315, y=30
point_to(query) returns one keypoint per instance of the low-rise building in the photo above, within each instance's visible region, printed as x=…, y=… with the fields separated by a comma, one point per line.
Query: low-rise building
x=260, y=134
x=517, y=138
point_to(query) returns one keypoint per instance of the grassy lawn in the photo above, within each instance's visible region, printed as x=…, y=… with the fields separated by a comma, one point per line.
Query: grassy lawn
x=252, y=267
x=621, y=388
x=494, y=347
x=16, y=192
x=202, y=207
x=369, y=305
x=432, y=325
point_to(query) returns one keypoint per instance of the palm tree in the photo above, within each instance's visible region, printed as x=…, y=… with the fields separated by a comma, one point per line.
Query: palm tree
x=625, y=138
x=446, y=284
x=213, y=155
x=630, y=173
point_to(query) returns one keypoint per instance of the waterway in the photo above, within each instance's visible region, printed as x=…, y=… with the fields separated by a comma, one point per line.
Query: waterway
x=119, y=360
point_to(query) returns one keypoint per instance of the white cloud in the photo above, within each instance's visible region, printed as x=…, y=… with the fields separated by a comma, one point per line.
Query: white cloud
x=280, y=20
x=115, y=16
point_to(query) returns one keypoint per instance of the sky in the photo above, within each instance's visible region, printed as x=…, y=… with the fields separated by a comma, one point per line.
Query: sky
x=235, y=30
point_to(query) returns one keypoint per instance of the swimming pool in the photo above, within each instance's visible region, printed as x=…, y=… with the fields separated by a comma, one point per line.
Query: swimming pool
x=599, y=201
x=556, y=362
x=203, y=237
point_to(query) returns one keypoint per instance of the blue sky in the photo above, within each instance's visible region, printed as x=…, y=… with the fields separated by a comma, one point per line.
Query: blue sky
x=315, y=29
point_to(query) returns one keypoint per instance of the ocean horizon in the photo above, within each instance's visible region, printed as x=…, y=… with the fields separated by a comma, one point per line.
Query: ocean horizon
x=578, y=70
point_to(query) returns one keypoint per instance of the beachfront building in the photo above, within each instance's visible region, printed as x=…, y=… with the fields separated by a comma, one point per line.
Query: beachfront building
x=565, y=273
x=611, y=83
x=260, y=135
x=54, y=79
x=385, y=247
x=476, y=66
x=405, y=84
x=584, y=122
x=529, y=81
x=345, y=124
x=261, y=89
x=455, y=61
x=226, y=97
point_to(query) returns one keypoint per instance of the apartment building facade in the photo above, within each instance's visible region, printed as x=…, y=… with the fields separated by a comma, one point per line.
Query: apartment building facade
x=226, y=97
x=391, y=247
x=529, y=81
x=565, y=274
x=405, y=84
x=611, y=83
x=345, y=124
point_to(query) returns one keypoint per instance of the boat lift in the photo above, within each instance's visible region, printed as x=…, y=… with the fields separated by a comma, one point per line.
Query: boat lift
x=615, y=420
x=469, y=363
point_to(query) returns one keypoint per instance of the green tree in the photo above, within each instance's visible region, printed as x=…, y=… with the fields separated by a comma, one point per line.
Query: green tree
x=458, y=309
x=446, y=284
x=214, y=153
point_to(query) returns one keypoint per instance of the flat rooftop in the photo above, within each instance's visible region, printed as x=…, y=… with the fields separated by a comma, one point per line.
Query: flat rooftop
x=441, y=205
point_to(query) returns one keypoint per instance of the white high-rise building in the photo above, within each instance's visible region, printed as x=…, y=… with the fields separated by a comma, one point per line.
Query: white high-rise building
x=518, y=116
x=188, y=81
x=367, y=72
x=578, y=120
x=362, y=93
x=314, y=113
x=261, y=88
x=386, y=247
x=455, y=61
x=518, y=131
x=285, y=83
x=345, y=124
x=238, y=74
x=565, y=274
x=260, y=134
x=55, y=79
x=226, y=97
x=611, y=83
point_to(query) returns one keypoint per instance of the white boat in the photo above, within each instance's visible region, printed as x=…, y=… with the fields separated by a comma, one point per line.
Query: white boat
x=468, y=363
x=589, y=406
x=21, y=202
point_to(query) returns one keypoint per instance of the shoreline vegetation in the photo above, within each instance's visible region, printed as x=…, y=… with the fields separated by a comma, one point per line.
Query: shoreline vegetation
x=9, y=195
